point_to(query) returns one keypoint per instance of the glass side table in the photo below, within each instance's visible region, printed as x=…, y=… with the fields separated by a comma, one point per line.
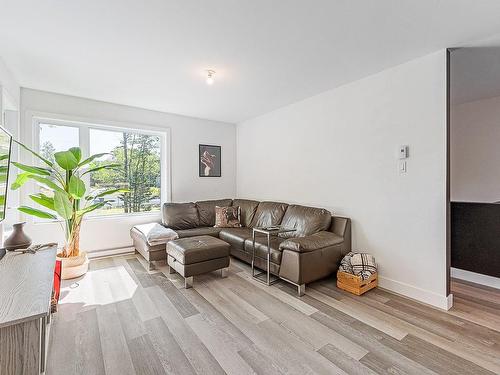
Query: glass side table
x=268, y=231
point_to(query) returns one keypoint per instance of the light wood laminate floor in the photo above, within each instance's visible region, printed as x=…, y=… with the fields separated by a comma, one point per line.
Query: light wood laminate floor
x=121, y=319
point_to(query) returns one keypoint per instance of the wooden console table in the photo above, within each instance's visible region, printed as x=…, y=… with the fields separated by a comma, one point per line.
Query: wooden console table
x=26, y=282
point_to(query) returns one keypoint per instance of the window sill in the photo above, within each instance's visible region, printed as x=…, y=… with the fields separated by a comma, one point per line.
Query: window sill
x=121, y=216
x=105, y=217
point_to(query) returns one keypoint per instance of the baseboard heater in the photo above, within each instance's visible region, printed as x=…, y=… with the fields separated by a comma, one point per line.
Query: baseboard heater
x=111, y=252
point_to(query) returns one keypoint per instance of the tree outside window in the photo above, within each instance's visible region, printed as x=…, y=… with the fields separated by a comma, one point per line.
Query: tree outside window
x=139, y=158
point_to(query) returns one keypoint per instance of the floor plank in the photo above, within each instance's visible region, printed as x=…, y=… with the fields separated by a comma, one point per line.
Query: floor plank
x=88, y=353
x=114, y=346
x=170, y=354
x=144, y=357
x=349, y=365
x=185, y=308
x=260, y=362
x=222, y=346
x=198, y=355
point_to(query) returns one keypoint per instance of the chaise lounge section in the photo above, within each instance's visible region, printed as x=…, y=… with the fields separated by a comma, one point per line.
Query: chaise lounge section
x=313, y=251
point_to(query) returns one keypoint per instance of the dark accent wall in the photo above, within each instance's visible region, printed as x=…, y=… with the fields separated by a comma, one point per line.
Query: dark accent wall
x=475, y=237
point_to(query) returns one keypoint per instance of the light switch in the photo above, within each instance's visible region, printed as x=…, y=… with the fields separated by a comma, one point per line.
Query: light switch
x=402, y=166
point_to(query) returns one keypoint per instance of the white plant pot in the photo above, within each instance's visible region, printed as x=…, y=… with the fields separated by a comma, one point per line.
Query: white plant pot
x=74, y=267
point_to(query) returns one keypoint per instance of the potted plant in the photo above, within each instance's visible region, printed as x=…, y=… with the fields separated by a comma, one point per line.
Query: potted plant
x=68, y=199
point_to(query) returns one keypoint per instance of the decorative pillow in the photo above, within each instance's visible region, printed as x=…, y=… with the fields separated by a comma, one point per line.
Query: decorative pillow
x=227, y=217
x=363, y=262
x=359, y=264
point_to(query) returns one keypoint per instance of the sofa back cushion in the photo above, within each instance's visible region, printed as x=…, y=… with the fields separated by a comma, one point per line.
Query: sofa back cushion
x=180, y=215
x=206, y=210
x=268, y=213
x=247, y=210
x=305, y=220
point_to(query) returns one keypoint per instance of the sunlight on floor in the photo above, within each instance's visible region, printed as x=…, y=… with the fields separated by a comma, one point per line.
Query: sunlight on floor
x=99, y=287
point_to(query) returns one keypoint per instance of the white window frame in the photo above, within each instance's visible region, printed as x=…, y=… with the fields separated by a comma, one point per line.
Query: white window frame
x=84, y=126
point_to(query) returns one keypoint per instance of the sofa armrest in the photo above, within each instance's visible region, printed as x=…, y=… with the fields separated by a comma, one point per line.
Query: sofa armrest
x=313, y=242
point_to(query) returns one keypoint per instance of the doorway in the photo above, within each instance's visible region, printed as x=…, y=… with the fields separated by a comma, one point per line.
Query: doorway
x=473, y=175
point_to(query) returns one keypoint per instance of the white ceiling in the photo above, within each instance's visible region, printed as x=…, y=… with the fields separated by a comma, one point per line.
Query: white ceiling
x=475, y=74
x=267, y=53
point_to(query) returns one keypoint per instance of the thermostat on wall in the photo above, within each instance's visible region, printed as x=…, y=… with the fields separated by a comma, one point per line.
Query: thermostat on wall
x=404, y=151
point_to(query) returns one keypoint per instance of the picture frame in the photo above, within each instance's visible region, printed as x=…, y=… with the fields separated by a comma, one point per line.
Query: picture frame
x=209, y=160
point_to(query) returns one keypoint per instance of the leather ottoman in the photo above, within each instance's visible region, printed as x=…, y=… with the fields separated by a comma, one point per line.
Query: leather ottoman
x=197, y=255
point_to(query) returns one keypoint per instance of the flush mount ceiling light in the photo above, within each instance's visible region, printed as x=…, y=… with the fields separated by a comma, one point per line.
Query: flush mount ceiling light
x=210, y=77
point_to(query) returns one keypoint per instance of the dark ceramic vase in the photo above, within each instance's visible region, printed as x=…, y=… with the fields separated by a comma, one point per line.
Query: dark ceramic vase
x=17, y=239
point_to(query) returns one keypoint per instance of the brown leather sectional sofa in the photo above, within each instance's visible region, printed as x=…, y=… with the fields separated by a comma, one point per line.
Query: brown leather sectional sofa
x=310, y=253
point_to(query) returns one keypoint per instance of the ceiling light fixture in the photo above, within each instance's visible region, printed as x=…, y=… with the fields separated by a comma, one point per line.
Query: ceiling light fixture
x=210, y=77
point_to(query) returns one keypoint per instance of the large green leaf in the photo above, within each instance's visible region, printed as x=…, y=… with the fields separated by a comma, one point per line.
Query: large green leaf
x=32, y=169
x=20, y=180
x=63, y=205
x=92, y=207
x=43, y=200
x=112, y=191
x=4, y=157
x=48, y=162
x=76, y=187
x=107, y=166
x=107, y=192
x=77, y=153
x=47, y=182
x=66, y=160
x=35, y=212
x=4, y=168
x=91, y=158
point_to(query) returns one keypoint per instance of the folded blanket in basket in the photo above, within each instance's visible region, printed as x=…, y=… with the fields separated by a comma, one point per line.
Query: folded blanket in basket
x=359, y=264
x=156, y=234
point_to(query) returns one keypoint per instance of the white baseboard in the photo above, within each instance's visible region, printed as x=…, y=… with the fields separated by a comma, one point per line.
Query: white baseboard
x=493, y=282
x=422, y=295
x=110, y=252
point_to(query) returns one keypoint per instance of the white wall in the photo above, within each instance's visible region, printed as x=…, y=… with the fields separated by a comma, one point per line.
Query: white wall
x=338, y=150
x=475, y=151
x=185, y=133
x=8, y=85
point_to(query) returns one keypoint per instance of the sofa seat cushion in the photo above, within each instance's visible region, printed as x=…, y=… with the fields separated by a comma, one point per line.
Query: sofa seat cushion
x=197, y=249
x=200, y=231
x=206, y=210
x=261, y=247
x=268, y=213
x=313, y=242
x=305, y=220
x=247, y=210
x=180, y=215
x=235, y=236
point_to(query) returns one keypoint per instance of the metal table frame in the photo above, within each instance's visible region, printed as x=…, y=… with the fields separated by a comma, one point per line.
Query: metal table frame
x=268, y=232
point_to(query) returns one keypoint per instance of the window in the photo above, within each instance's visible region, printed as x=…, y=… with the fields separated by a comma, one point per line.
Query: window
x=137, y=153
x=139, y=158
